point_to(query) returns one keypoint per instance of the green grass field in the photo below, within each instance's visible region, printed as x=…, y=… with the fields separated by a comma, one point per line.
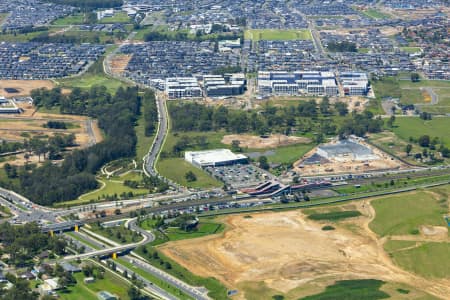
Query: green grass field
x=417, y=208
x=111, y=283
x=204, y=228
x=376, y=14
x=87, y=81
x=119, y=17
x=76, y=19
x=176, y=169
x=367, y=289
x=160, y=283
x=143, y=142
x=334, y=216
x=430, y=260
x=118, y=234
x=289, y=154
x=276, y=35
x=416, y=127
x=411, y=49
x=217, y=290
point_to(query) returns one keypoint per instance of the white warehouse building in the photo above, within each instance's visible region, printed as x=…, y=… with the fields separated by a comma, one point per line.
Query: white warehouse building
x=212, y=158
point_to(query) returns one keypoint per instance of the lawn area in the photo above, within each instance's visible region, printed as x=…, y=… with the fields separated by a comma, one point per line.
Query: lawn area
x=111, y=187
x=428, y=260
x=376, y=14
x=416, y=127
x=86, y=81
x=176, y=169
x=277, y=35
x=367, y=289
x=160, y=283
x=411, y=49
x=143, y=142
x=393, y=245
x=111, y=283
x=76, y=19
x=159, y=260
x=334, y=216
x=289, y=154
x=203, y=228
x=119, y=17
x=118, y=234
x=417, y=208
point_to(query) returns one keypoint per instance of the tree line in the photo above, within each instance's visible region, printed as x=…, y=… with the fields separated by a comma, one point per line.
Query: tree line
x=116, y=116
x=89, y=4
x=22, y=243
x=306, y=117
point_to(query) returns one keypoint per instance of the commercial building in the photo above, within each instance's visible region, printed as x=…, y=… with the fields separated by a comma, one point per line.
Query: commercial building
x=297, y=83
x=8, y=106
x=183, y=88
x=217, y=157
x=354, y=83
x=346, y=150
x=226, y=85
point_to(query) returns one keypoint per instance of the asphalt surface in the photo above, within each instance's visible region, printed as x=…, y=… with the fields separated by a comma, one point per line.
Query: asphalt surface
x=152, y=156
x=195, y=292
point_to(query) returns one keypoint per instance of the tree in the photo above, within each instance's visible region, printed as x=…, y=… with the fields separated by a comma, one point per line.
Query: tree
x=342, y=108
x=235, y=146
x=263, y=163
x=424, y=141
x=415, y=77
x=408, y=149
x=325, y=106
x=391, y=121
x=190, y=176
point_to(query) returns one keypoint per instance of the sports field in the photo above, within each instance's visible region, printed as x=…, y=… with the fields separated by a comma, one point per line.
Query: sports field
x=277, y=35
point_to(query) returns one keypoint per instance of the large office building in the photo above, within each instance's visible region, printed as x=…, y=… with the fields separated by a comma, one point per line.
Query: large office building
x=214, y=158
x=224, y=86
x=183, y=88
x=297, y=83
x=354, y=83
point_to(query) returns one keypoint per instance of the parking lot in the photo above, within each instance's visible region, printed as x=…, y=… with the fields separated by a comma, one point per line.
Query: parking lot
x=238, y=176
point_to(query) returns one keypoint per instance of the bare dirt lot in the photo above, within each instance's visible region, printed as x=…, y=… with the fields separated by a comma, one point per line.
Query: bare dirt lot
x=288, y=253
x=24, y=87
x=257, y=142
x=119, y=63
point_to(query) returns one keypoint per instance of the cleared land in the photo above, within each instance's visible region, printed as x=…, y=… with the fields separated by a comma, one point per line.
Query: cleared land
x=265, y=254
x=23, y=86
x=258, y=142
x=275, y=34
x=119, y=63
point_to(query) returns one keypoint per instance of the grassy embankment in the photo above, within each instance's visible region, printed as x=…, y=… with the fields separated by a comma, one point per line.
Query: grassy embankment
x=275, y=34
x=418, y=209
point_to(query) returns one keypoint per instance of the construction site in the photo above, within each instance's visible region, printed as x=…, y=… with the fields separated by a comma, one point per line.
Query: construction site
x=345, y=156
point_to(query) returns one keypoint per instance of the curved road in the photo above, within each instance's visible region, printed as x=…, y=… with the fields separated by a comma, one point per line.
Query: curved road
x=163, y=127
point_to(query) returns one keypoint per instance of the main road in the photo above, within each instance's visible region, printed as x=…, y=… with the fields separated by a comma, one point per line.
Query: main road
x=162, y=130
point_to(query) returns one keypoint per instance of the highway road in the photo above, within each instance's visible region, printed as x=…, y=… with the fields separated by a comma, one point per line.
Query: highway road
x=163, y=127
x=105, y=248
x=153, y=289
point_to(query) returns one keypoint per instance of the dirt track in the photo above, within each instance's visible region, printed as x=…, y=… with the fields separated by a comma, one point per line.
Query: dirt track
x=286, y=250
